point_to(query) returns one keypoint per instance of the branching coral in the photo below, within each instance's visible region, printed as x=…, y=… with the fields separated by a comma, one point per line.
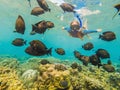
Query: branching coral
x=9, y=80
x=93, y=84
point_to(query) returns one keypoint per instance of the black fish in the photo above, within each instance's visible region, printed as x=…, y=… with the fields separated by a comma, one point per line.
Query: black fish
x=66, y=7
x=95, y=60
x=37, y=11
x=60, y=51
x=102, y=53
x=20, y=25
x=39, y=27
x=77, y=54
x=118, y=9
x=19, y=42
x=107, y=36
x=88, y=46
x=38, y=48
x=43, y=4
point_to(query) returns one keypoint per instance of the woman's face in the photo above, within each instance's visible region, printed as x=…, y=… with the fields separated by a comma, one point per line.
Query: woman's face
x=75, y=25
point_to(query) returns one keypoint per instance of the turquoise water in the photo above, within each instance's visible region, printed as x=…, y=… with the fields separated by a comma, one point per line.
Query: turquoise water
x=56, y=37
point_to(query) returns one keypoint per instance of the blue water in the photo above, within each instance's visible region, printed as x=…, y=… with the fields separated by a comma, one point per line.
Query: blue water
x=56, y=37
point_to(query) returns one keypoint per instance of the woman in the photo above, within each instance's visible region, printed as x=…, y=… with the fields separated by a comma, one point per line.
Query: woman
x=78, y=30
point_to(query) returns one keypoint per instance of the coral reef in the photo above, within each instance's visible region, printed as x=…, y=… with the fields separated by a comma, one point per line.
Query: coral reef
x=30, y=75
x=52, y=74
x=9, y=80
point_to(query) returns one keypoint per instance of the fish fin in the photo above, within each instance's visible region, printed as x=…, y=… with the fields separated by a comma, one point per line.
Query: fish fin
x=32, y=32
x=34, y=27
x=14, y=31
x=115, y=14
x=99, y=64
x=25, y=42
x=49, y=52
x=100, y=36
x=49, y=10
x=82, y=46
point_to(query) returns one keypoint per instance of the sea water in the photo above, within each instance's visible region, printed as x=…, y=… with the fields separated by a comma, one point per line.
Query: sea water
x=21, y=71
x=99, y=14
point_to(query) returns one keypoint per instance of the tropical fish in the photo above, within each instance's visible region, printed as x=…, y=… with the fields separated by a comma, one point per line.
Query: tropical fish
x=77, y=54
x=66, y=7
x=43, y=4
x=38, y=48
x=60, y=51
x=118, y=9
x=102, y=53
x=37, y=11
x=95, y=60
x=49, y=24
x=107, y=36
x=108, y=68
x=85, y=59
x=39, y=27
x=88, y=46
x=20, y=25
x=19, y=42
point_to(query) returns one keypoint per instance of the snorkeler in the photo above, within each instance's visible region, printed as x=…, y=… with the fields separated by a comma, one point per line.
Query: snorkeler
x=78, y=30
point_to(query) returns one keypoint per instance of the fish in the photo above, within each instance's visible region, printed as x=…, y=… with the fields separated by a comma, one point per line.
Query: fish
x=50, y=24
x=37, y=11
x=66, y=7
x=102, y=53
x=117, y=6
x=77, y=54
x=88, y=46
x=38, y=48
x=39, y=27
x=108, y=68
x=19, y=42
x=43, y=4
x=20, y=25
x=85, y=59
x=95, y=60
x=107, y=36
x=60, y=51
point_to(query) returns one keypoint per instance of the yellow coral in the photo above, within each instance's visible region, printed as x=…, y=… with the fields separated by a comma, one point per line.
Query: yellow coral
x=10, y=79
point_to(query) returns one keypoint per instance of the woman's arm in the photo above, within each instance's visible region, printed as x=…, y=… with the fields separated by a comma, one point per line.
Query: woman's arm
x=91, y=31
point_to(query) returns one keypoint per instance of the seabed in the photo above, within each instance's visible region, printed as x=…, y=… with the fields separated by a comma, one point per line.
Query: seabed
x=54, y=74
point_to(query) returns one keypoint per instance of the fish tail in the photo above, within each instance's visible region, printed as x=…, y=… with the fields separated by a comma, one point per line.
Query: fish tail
x=100, y=36
x=115, y=14
x=99, y=64
x=25, y=42
x=49, y=10
x=49, y=52
x=14, y=31
x=34, y=27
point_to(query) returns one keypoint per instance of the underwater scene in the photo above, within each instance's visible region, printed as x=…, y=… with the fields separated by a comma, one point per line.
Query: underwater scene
x=59, y=45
